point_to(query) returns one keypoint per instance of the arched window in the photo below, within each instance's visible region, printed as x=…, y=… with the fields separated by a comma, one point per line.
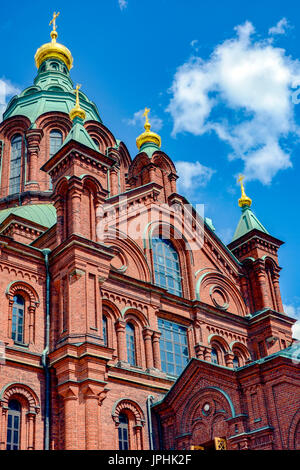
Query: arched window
x=236, y=361
x=214, y=356
x=166, y=265
x=104, y=330
x=56, y=139
x=96, y=143
x=130, y=342
x=123, y=432
x=17, y=333
x=15, y=164
x=13, y=425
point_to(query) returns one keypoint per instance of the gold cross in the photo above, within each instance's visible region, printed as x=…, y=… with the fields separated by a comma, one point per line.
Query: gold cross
x=240, y=180
x=55, y=15
x=146, y=112
x=76, y=91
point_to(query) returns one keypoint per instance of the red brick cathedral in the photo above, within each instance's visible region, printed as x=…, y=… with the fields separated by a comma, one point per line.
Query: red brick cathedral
x=125, y=322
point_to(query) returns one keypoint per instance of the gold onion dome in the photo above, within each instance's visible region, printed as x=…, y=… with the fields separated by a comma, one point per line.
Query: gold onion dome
x=53, y=49
x=148, y=136
x=244, y=200
x=77, y=111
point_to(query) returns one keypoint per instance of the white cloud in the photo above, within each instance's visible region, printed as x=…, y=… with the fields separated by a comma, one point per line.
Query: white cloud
x=122, y=4
x=242, y=92
x=294, y=312
x=139, y=119
x=194, y=44
x=280, y=27
x=192, y=175
x=7, y=90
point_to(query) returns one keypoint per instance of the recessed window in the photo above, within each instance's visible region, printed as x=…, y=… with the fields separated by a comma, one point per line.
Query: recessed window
x=173, y=347
x=166, y=265
x=15, y=164
x=236, y=362
x=104, y=330
x=130, y=342
x=17, y=333
x=96, y=143
x=214, y=356
x=123, y=432
x=56, y=139
x=13, y=425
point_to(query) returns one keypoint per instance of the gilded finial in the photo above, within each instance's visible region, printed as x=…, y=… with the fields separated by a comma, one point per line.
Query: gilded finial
x=77, y=111
x=53, y=33
x=244, y=200
x=53, y=49
x=147, y=136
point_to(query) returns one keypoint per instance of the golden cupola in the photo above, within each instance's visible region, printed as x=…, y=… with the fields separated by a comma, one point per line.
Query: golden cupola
x=148, y=137
x=244, y=200
x=53, y=49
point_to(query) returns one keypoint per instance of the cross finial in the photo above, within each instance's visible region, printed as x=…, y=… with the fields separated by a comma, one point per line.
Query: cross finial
x=146, y=112
x=244, y=200
x=53, y=21
x=76, y=91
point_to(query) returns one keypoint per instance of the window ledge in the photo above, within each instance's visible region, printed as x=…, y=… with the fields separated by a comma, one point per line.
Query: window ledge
x=23, y=345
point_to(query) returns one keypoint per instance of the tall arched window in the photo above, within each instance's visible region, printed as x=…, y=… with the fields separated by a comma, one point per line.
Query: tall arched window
x=214, y=356
x=15, y=164
x=104, y=330
x=130, y=342
x=17, y=333
x=13, y=425
x=166, y=265
x=123, y=432
x=56, y=139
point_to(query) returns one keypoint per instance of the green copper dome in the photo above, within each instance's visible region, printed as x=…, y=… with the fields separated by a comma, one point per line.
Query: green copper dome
x=52, y=91
x=42, y=214
x=247, y=222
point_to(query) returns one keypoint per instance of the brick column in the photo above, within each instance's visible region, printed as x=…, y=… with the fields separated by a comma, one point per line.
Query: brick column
x=199, y=350
x=59, y=206
x=33, y=137
x=31, y=310
x=207, y=354
x=114, y=189
x=172, y=178
x=75, y=216
x=91, y=418
x=121, y=340
x=70, y=397
x=229, y=359
x=147, y=335
x=261, y=279
x=277, y=292
x=138, y=429
x=156, y=349
x=30, y=430
x=3, y=427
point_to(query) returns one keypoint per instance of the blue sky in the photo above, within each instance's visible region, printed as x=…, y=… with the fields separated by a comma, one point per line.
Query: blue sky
x=221, y=79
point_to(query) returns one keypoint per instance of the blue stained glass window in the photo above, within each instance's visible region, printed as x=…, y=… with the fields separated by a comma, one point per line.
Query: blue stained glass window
x=130, y=341
x=166, y=265
x=18, y=319
x=15, y=164
x=173, y=347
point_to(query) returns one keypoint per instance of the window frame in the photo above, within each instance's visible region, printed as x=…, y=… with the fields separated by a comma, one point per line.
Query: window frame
x=131, y=341
x=12, y=428
x=177, y=347
x=168, y=273
x=15, y=165
x=16, y=315
x=123, y=426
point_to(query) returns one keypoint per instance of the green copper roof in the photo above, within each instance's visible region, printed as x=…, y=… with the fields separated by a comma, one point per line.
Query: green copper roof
x=80, y=134
x=42, y=214
x=248, y=222
x=149, y=148
x=52, y=91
